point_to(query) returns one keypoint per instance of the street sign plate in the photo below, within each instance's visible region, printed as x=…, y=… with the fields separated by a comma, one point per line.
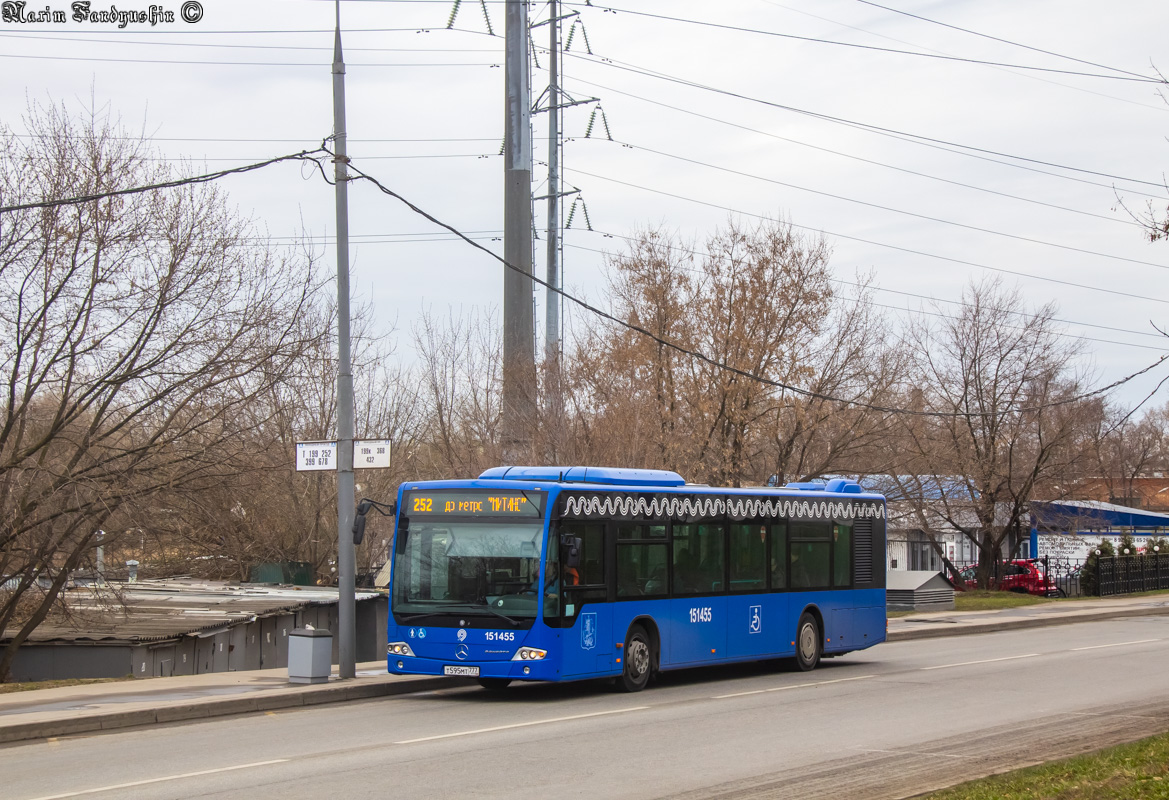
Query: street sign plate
x=371, y=453
x=313, y=456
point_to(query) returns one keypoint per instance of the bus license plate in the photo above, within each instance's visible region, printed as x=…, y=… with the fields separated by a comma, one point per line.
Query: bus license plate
x=470, y=672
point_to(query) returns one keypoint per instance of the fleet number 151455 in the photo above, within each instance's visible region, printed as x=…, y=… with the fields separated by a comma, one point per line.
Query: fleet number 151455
x=703, y=614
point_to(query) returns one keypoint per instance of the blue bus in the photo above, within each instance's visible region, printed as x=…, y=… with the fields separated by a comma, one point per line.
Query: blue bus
x=552, y=574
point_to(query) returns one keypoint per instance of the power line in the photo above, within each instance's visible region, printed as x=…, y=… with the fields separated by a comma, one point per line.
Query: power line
x=888, y=208
x=1029, y=76
x=250, y=46
x=303, y=155
x=723, y=121
x=239, y=63
x=187, y=158
x=997, y=39
x=266, y=140
x=700, y=253
x=880, y=244
x=1138, y=78
x=727, y=367
x=1066, y=334
x=911, y=137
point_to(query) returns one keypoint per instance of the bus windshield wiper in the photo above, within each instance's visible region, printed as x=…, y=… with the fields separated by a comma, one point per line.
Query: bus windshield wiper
x=412, y=617
x=484, y=607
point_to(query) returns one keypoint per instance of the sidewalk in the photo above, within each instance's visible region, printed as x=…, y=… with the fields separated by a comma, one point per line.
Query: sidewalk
x=44, y=713
x=933, y=624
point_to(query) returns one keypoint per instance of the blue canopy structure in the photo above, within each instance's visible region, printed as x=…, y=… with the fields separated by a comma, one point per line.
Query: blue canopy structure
x=1093, y=515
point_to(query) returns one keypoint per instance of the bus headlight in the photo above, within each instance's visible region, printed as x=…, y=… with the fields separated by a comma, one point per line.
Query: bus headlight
x=399, y=649
x=529, y=654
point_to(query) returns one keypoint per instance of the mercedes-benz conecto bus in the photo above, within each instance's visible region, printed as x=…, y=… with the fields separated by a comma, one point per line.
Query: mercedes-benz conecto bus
x=550, y=574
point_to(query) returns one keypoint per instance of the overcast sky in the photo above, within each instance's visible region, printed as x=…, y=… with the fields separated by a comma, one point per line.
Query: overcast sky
x=250, y=81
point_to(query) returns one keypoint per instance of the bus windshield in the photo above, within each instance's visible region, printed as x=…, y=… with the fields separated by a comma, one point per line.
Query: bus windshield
x=467, y=567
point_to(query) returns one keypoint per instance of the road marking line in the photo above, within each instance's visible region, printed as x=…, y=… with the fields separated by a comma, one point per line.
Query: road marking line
x=1118, y=644
x=1119, y=716
x=148, y=781
x=738, y=694
x=517, y=725
x=984, y=661
x=909, y=753
x=818, y=683
x=793, y=686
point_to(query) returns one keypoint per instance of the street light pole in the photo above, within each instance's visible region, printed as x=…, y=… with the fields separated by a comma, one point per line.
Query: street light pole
x=346, y=561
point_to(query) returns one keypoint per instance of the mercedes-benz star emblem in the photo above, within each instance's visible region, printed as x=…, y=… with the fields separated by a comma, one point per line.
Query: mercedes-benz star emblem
x=461, y=652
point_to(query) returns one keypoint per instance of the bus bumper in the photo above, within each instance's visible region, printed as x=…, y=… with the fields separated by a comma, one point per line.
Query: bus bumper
x=541, y=670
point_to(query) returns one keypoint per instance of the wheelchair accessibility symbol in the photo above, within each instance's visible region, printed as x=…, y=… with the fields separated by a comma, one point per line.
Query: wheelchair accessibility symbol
x=755, y=623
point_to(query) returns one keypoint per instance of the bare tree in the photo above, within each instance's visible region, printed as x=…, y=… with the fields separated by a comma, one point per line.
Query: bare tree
x=1125, y=449
x=999, y=380
x=134, y=331
x=459, y=388
x=266, y=511
x=761, y=301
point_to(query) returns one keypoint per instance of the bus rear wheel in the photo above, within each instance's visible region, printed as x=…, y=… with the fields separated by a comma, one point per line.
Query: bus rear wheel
x=494, y=684
x=807, y=643
x=637, y=663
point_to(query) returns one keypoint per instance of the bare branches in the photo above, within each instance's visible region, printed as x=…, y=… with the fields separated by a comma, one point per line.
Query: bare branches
x=136, y=332
x=1006, y=378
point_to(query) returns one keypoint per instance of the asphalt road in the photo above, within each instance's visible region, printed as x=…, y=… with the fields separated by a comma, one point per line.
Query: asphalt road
x=893, y=721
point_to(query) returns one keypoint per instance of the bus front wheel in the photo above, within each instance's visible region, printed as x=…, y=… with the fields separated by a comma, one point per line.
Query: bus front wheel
x=807, y=643
x=637, y=663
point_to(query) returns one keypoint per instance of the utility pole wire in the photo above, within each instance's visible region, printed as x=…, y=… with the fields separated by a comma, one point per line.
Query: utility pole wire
x=358, y=173
x=1138, y=78
x=756, y=176
x=875, y=243
x=916, y=138
x=303, y=155
x=1004, y=41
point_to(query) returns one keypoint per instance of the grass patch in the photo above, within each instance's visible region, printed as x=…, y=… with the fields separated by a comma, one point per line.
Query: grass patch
x=28, y=686
x=988, y=600
x=1137, y=771
x=1153, y=593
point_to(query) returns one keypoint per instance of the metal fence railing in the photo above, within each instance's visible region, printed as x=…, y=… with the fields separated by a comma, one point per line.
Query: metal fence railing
x=1128, y=574
x=1070, y=577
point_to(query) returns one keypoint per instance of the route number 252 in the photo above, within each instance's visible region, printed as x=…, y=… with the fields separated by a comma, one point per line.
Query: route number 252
x=704, y=614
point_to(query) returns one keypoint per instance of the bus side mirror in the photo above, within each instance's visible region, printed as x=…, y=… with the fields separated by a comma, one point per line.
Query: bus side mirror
x=570, y=550
x=364, y=508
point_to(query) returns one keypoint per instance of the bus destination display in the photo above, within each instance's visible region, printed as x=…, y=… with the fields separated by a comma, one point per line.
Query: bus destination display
x=474, y=504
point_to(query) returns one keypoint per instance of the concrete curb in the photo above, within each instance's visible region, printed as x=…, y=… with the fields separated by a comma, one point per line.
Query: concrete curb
x=219, y=707
x=944, y=629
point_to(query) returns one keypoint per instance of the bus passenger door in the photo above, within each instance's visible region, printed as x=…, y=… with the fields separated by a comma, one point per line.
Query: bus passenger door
x=588, y=644
x=756, y=618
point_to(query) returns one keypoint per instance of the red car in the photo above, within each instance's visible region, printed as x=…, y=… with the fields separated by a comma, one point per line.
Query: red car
x=1024, y=576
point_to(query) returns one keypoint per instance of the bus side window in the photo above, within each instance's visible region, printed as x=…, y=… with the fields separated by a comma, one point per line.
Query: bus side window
x=779, y=555
x=748, y=553
x=811, y=554
x=586, y=582
x=842, y=554
x=699, y=552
